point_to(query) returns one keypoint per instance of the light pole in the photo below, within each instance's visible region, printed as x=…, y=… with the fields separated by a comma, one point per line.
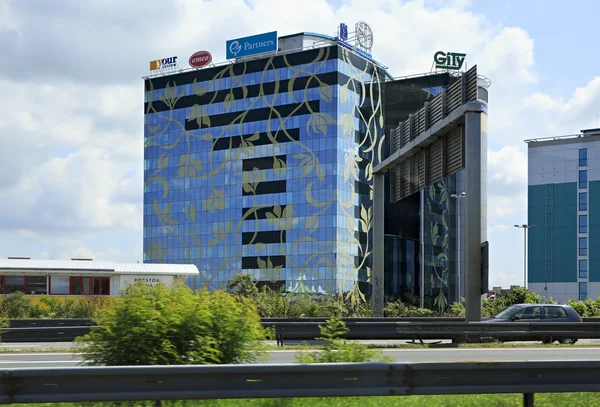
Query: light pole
x=459, y=264
x=524, y=227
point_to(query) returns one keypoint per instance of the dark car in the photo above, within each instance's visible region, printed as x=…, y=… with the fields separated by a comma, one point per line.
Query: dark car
x=538, y=313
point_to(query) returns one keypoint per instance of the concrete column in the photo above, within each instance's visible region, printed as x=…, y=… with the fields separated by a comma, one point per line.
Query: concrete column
x=473, y=202
x=378, y=244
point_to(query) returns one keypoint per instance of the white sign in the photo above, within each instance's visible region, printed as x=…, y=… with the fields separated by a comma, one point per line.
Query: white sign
x=149, y=280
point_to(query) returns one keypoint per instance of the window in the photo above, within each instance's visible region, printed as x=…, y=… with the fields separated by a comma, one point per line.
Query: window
x=582, y=291
x=36, y=285
x=583, y=179
x=582, y=223
x=583, y=201
x=583, y=268
x=90, y=286
x=555, y=313
x=24, y=284
x=583, y=246
x=583, y=157
x=12, y=284
x=529, y=313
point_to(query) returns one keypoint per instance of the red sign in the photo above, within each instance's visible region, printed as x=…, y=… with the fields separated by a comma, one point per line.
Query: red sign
x=200, y=59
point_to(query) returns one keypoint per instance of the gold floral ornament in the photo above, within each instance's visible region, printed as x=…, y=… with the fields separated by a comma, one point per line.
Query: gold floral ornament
x=215, y=201
x=250, y=180
x=270, y=272
x=312, y=222
x=282, y=219
x=308, y=163
x=163, y=162
x=188, y=165
x=351, y=167
x=247, y=147
x=198, y=113
x=156, y=252
x=279, y=167
x=190, y=212
x=220, y=234
x=164, y=215
x=318, y=123
x=171, y=97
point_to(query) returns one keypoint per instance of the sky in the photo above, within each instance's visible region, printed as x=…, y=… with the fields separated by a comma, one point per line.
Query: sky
x=71, y=115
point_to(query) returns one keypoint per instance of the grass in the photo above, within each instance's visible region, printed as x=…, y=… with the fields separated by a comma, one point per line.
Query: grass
x=484, y=400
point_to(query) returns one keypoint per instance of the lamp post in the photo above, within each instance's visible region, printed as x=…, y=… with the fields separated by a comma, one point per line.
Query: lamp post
x=459, y=264
x=524, y=227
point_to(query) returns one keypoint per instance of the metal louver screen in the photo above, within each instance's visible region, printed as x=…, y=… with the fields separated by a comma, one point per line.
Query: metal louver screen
x=455, y=151
x=421, y=158
x=405, y=178
x=436, y=165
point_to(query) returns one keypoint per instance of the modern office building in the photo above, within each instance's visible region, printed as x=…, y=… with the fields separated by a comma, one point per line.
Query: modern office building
x=564, y=216
x=263, y=165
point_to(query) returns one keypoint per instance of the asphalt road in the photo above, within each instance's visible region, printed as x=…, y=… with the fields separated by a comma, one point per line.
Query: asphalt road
x=39, y=359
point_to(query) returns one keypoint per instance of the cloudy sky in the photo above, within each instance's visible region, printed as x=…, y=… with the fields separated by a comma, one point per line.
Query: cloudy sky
x=71, y=115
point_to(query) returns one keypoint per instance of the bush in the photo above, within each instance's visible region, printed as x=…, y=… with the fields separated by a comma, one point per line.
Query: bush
x=16, y=305
x=174, y=326
x=398, y=309
x=337, y=350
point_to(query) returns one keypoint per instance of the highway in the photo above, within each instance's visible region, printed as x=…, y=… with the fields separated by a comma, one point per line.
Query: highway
x=66, y=359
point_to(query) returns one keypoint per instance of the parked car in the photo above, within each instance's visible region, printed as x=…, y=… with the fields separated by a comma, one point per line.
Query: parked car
x=539, y=313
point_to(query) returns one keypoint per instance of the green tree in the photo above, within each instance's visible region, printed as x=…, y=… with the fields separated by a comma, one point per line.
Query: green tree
x=243, y=285
x=174, y=326
x=337, y=350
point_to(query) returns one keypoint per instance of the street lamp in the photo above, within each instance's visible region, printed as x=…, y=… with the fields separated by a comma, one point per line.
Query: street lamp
x=524, y=227
x=459, y=264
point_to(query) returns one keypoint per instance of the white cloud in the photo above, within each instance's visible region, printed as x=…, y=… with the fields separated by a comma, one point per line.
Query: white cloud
x=498, y=228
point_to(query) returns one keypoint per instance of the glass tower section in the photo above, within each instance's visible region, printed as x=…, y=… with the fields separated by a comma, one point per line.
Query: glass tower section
x=265, y=167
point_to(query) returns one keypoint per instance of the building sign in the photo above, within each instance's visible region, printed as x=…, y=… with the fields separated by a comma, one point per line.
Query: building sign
x=363, y=38
x=343, y=32
x=200, y=59
x=450, y=60
x=149, y=280
x=255, y=44
x=164, y=63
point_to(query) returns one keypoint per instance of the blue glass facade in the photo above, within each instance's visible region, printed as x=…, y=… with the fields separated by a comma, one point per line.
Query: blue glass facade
x=265, y=167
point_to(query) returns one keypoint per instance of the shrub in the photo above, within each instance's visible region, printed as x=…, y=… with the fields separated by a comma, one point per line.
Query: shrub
x=174, y=326
x=338, y=350
x=398, y=309
x=16, y=305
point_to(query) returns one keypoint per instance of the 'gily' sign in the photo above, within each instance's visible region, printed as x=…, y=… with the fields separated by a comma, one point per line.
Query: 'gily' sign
x=450, y=60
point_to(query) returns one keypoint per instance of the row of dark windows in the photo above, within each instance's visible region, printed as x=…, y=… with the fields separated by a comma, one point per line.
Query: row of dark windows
x=262, y=163
x=267, y=187
x=254, y=115
x=283, y=61
x=251, y=262
x=252, y=91
x=266, y=237
x=260, y=213
x=225, y=143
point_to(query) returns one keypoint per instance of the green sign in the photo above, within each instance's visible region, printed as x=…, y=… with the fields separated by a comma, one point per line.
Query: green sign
x=449, y=60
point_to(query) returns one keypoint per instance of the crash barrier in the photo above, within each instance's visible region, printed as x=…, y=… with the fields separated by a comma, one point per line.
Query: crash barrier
x=359, y=329
x=134, y=383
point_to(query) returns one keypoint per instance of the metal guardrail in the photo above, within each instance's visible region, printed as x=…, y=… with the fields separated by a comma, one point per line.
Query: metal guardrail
x=456, y=331
x=398, y=329
x=130, y=383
